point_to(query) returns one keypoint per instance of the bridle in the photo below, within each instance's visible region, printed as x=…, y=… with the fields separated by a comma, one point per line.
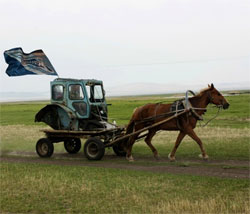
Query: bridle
x=218, y=106
x=189, y=106
x=211, y=99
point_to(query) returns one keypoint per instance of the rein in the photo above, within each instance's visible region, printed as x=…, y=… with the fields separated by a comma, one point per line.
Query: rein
x=219, y=108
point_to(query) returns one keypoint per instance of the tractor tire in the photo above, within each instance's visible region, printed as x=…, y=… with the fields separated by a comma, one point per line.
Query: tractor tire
x=73, y=145
x=44, y=148
x=118, y=150
x=94, y=149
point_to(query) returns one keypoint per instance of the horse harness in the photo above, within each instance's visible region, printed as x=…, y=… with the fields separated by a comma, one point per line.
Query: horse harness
x=181, y=105
x=177, y=107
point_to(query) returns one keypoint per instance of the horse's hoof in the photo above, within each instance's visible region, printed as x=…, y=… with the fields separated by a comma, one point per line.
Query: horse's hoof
x=172, y=159
x=204, y=157
x=157, y=157
x=130, y=158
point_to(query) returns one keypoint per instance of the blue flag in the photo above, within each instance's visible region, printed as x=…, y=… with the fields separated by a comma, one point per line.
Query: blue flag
x=21, y=63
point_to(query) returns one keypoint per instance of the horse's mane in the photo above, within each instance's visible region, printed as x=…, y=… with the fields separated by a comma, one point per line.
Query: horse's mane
x=202, y=91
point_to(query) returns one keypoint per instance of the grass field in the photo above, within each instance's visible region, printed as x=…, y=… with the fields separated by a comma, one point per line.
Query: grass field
x=45, y=188
x=66, y=189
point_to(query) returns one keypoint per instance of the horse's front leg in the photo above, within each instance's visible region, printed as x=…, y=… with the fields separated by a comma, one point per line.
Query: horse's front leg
x=131, y=142
x=193, y=135
x=180, y=137
x=148, y=140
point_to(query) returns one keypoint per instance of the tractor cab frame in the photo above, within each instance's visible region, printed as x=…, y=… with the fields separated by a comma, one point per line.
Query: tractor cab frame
x=76, y=104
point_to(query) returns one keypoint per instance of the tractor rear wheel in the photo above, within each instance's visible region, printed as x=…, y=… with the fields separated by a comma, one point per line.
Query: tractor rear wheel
x=72, y=145
x=94, y=149
x=44, y=148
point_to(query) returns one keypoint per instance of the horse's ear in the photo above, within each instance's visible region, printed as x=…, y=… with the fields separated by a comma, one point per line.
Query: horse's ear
x=212, y=86
x=208, y=86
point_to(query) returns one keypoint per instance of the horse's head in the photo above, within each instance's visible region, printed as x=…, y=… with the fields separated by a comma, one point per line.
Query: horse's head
x=216, y=97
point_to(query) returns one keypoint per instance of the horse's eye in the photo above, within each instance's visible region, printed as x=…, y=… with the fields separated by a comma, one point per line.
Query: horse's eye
x=219, y=94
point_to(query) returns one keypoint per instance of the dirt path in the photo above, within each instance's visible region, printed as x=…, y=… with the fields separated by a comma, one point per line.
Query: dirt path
x=224, y=168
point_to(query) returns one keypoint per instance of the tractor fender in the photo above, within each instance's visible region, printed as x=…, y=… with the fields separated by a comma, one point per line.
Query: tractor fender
x=58, y=117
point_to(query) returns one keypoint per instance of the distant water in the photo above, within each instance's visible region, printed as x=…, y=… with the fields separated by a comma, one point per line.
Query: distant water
x=23, y=96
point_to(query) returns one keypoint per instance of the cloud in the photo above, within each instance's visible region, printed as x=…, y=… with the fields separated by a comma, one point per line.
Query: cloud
x=129, y=41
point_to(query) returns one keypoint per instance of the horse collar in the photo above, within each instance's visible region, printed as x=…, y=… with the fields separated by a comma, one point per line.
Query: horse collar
x=192, y=109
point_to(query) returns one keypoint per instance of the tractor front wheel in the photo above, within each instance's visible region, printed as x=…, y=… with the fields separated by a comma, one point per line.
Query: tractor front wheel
x=94, y=149
x=44, y=148
x=119, y=151
x=73, y=145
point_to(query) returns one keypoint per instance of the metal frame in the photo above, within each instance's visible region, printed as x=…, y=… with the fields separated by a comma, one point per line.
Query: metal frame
x=60, y=135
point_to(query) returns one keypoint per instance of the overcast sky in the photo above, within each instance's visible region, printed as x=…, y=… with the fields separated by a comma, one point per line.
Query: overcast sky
x=131, y=41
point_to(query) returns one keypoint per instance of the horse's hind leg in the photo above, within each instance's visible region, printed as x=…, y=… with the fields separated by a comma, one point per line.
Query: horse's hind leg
x=180, y=137
x=148, y=141
x=193, y=135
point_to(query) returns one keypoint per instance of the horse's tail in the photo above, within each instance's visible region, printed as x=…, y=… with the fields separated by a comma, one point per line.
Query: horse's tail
x=129, y=130
x=130, y=127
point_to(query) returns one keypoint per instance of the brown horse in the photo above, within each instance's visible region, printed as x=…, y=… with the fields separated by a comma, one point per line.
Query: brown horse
x=152, y=113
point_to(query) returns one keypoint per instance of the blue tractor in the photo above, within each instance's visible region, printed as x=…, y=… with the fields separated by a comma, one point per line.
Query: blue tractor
x=75, y=105
x=78, y=110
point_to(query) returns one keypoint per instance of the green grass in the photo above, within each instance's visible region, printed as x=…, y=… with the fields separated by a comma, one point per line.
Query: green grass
x=220, y=143
x=218, y=148
x=74, y=189
x=38, y=188
x=237, y=116
x=226, y=137
x=19, y=113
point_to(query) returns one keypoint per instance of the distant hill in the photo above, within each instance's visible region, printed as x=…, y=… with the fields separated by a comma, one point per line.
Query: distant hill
x=24, y=96
x=128, y=90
